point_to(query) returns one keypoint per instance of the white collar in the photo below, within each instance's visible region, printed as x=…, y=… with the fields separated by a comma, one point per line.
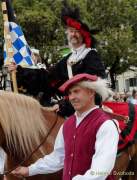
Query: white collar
x=83, y=115
x=78, y=54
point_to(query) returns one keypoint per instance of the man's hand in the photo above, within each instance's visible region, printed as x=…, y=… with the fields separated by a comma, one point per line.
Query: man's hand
x=21, y=172
x=12, y=67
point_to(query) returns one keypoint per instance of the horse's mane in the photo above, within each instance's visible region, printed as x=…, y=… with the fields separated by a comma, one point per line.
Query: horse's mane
x=22, y=121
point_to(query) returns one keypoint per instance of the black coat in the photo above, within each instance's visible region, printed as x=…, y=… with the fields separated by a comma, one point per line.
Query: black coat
x=48, y=81
x=91, y=64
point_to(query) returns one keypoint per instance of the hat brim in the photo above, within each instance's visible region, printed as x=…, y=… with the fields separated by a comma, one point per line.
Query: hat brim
x=76, y=79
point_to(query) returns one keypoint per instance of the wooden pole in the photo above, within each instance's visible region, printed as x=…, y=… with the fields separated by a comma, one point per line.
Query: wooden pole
x=8, y=43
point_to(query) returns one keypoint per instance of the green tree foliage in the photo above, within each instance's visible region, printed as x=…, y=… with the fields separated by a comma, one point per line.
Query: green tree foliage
x=41, y=23
x=117, y=22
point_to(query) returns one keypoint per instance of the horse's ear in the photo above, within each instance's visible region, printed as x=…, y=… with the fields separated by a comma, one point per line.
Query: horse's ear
x=54, y=108
x=49, y=113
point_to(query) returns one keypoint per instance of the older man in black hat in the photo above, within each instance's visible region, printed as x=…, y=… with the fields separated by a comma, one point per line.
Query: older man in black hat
x=83, y=58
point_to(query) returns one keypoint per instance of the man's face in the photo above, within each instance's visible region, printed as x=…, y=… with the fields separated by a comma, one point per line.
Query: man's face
x=74, y=37
x=81, y=98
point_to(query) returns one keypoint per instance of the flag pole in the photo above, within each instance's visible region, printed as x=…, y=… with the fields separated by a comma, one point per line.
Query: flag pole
x=8, y=43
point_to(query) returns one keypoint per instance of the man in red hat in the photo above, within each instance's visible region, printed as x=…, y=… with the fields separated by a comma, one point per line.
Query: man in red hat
x=83, y=58
x=86, y=144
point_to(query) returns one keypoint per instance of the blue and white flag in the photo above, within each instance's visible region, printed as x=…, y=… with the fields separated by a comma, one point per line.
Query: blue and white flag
x=22, y=51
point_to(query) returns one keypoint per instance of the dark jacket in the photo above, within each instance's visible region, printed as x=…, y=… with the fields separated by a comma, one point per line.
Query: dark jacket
x=48, y=81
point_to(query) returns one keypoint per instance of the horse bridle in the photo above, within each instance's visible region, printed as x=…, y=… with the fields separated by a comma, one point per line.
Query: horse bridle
x=35, y=150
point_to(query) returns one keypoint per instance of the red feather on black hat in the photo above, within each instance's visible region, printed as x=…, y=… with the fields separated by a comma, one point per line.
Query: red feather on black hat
x=71, y=17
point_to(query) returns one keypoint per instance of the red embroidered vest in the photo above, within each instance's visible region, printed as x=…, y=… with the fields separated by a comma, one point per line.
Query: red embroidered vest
x=80, y=143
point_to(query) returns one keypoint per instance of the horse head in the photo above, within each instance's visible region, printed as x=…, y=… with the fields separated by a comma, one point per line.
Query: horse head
x=23, y=125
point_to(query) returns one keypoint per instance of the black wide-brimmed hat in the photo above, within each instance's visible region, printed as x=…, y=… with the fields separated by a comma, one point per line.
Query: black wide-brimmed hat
x=71, y=18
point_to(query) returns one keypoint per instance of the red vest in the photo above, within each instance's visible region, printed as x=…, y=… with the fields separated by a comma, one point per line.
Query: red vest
x=80, y=143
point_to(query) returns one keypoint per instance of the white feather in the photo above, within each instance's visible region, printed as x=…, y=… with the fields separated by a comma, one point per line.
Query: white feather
x=100, y=86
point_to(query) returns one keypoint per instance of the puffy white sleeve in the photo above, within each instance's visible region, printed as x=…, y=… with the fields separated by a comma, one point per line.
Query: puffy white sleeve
x=105, y=153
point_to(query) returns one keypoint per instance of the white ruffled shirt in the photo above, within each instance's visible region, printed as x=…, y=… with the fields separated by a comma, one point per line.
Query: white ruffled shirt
x=102, y=162
x=78, y=54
